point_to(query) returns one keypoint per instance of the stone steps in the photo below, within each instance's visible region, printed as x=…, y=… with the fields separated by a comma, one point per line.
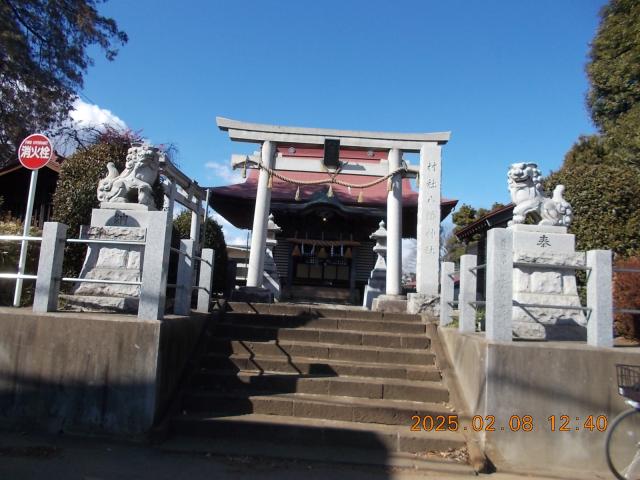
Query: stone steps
x=328, y=323
x=316, y=311
x=331, y=379
x=295, y=364
x=328, y=407
x=366, y=387
x=323, y=351
x=236, y=331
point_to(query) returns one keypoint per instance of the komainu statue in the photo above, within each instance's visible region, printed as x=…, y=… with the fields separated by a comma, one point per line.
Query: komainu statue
x=525, y=186
x=134, y=184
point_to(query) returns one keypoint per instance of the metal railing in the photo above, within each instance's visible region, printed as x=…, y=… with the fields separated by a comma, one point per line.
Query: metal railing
x=19, y=276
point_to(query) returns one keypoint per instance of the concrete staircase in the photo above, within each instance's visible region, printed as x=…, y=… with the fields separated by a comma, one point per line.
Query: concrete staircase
x=319, y=383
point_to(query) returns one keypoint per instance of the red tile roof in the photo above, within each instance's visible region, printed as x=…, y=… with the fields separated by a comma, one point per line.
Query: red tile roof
x=282, y=191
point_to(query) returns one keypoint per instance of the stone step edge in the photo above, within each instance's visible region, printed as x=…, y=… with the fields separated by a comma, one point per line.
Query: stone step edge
x=333, y=400
x=301, y=318
x=301, y=343
x=323, y=330
x=329, y=361
x=376, y=380
x=307, y=308
x=285, y=421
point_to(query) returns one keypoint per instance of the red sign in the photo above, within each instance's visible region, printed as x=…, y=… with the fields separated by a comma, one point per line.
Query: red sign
x=35, y=151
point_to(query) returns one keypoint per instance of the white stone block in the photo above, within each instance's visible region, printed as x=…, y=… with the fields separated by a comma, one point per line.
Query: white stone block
x=446, y=293
x=600, y=299
x=467, y=295
x=499, y=280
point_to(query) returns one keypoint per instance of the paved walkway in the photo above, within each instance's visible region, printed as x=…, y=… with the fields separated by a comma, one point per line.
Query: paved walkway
x=35, y=457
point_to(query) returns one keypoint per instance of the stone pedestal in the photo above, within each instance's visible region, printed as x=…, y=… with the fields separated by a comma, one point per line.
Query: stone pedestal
x=553, y=283
x=390, y=304
x=422, y=303
x=106, y=261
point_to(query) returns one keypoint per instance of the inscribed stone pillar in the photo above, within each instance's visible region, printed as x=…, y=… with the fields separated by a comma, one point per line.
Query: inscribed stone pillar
x=428, y=237
x=260, y=219
x=425, y=300
x=394, y=227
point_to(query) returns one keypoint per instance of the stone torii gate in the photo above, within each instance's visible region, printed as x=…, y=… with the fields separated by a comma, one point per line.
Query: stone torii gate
x=429, y=183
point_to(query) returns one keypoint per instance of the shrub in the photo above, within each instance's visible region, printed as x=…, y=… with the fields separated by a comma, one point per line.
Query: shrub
x=627, y=295
x=606, y=205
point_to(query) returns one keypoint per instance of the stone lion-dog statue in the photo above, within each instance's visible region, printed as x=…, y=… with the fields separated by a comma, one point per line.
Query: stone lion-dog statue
x=134, y=184
x=525, y=186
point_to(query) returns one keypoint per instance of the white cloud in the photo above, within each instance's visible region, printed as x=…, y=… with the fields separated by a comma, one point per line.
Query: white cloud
x=89, y=115
x=223, y=172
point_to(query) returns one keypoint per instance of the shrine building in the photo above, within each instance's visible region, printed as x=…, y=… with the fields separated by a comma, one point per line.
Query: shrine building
x=328, y=190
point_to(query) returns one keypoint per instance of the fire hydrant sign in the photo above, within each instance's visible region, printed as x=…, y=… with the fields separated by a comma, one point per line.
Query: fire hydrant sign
x=35, y=151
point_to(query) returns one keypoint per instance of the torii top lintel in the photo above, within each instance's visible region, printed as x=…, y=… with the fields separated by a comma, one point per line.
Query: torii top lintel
x=258, y=133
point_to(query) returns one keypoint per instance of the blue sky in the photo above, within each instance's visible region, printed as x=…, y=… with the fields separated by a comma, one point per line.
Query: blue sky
x=505, y=77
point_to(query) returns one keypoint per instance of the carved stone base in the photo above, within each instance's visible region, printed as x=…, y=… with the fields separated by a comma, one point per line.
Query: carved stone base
x=125, y=206
x=252, y=295
x=390, y=304
x=543, y=276
x=419, y=303
x=111, y=261
x=91, y=303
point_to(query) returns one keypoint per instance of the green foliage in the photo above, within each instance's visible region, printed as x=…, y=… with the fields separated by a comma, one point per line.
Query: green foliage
x=43, y=59
x=606, y=205
x=614, y=67
x=75, y=194
x=588, y=150
x=9, y=255
x=214, y=238
x=623, y=140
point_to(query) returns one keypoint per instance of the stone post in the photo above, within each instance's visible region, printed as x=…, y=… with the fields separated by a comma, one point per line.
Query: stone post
x=260, y=219
x=184, y=280
x=499, y=296
x=45, y=299
x=154, y=267
x=467, y=294
x=194, y=231
x=376, y=285
x=394, y=227
x=170, y=197
x=599, y=299
x=446, y=293
x=428, y=236
x=206, y=280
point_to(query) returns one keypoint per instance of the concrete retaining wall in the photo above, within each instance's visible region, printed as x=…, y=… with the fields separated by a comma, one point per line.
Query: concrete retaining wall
x=90, y=372
x=540, y=379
